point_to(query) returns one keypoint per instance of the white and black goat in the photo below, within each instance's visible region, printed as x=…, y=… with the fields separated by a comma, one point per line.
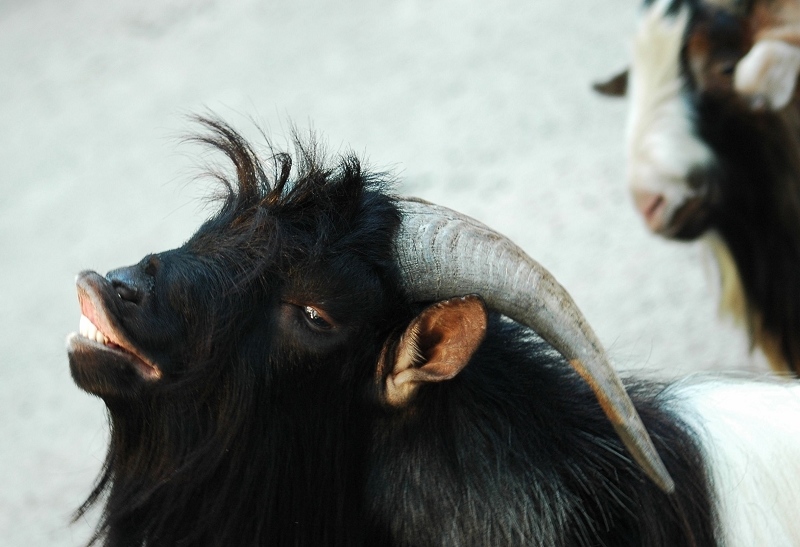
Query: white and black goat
x=322, y=363
x=713, y=146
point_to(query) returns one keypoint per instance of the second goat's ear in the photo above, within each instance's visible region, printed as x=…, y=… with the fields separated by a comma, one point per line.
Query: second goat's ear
x=436, y=346
x=767, y=76
x=616, y=86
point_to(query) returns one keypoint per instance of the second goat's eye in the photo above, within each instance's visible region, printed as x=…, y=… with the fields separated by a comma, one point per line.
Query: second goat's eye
x=727, y=68
x=315, y=319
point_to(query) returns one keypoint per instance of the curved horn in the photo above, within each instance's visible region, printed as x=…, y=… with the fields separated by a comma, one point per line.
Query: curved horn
x=442, y=254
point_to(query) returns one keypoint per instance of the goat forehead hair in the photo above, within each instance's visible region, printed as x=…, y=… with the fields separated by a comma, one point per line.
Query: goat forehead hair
x=659, y=36
x=294, y=200
x=661, y=144
x=671, y=7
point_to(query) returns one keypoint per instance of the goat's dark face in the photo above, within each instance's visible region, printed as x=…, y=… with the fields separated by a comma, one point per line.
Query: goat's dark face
x=157, y=321
x=279, y=281
x=697, y=83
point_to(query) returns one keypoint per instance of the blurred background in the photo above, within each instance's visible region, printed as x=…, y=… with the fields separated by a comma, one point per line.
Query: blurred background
x=485, y=107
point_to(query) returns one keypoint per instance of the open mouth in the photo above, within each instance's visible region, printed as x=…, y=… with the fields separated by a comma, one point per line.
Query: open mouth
x=690, y=220
x=98, y=335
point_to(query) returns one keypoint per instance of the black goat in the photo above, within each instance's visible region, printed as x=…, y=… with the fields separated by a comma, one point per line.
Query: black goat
x=714, y=148
x=308, y=370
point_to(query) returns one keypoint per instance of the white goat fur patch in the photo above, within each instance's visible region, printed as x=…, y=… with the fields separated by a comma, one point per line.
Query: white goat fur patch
x=750, y=436
x=662, y=147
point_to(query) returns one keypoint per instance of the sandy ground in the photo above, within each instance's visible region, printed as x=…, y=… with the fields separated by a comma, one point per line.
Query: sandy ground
x=487, y=110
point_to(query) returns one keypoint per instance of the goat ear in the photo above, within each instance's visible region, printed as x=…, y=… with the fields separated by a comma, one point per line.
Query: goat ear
x=767, y=75
x=436, y=346
x=615, y=86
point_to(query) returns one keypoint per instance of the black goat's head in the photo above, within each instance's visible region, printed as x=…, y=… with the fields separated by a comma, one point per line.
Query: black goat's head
x=292, y=270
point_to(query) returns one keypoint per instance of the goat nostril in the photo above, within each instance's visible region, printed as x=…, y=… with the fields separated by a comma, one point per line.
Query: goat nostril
x=126, y=293
x=652, y=207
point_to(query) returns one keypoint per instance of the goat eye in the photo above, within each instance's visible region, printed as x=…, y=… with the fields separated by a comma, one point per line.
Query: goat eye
x=315, y=319
x=727, y=69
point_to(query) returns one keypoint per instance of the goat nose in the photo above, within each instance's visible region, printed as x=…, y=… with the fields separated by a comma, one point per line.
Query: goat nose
x=129, y=284
x=652, y=207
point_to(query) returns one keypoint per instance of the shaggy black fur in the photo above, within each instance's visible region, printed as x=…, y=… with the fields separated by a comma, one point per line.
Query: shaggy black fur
x=267, y=427
x=516, y=451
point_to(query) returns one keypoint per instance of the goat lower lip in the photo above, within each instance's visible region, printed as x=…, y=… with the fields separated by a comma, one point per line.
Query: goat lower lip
x=111, y=346
x=147, y=370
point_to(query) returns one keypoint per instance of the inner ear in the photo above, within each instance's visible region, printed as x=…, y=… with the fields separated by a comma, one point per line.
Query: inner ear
x=616, y=86
x=436, y=346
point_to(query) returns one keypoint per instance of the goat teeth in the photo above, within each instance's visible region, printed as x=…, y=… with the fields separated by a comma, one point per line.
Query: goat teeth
x=88, y=330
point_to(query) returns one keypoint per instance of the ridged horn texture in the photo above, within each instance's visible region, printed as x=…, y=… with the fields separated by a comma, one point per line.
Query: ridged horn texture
x=443, y=254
